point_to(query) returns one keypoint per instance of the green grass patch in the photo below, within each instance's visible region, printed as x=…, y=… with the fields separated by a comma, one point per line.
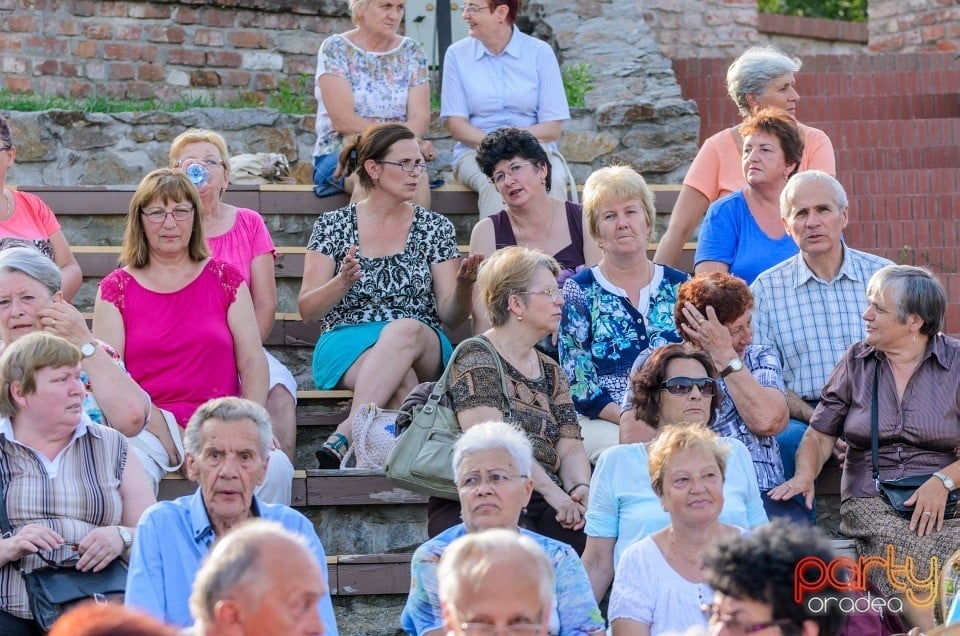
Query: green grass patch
x=849, y=10
x=578, y=80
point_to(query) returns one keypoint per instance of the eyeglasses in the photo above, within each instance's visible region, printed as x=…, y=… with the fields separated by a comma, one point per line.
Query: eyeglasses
x=471, y=9
x=471, y=482
x=734, y=625
x=209, y=162
x=512, y=170
x=482, y=629
x=159, y=216
x=408, y=165
x=552, y=293
x=681, y=385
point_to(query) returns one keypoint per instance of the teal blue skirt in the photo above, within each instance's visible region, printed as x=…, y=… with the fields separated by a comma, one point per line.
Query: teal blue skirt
x=339, y=348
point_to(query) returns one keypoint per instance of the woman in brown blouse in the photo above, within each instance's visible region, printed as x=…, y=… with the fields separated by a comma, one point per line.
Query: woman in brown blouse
x=917, y=369
x=518, y=289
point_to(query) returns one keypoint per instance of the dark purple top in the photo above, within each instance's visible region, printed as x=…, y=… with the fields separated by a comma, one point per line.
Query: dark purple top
x=571, y=257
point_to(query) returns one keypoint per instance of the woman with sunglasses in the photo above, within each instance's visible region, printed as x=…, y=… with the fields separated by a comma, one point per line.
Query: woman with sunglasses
x=677, y=384
x=617, y=309
x=383, y=276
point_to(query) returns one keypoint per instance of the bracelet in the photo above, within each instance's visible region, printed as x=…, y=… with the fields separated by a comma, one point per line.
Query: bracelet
x=575, y=486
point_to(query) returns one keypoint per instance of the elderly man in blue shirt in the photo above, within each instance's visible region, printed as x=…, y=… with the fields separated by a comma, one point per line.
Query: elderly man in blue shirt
x=808, y=307
x=227, y=443
x=501, y=77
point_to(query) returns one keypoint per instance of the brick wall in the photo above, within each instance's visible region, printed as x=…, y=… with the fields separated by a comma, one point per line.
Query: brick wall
x=895, y=25
x=165, y=49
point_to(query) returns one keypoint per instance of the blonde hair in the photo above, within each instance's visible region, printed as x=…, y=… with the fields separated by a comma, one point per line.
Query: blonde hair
x=467, y=560
x=199, y=136
x=616, y=183
x=24, y=357
x=680, y=437
x=355, y=7
x=506, y=272
x=167, y=185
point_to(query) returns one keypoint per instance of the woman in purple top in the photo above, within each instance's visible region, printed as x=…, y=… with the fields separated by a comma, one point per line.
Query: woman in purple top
x=518, y=166
x=239, y=236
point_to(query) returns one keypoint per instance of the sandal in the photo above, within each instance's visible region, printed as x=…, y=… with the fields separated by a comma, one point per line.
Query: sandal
x=330, y=455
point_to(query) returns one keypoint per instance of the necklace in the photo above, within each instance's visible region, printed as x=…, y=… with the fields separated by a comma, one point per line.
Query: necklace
x=546, y=237
x=527, y=369
x=7, y=207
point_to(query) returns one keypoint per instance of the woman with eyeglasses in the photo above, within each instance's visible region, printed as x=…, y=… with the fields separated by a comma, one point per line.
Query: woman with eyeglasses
x=493, y=462
x=182, y=322
x=368, y=75
x=383, y=275
x=501, y=77
x=676, y=384
x=617, y=309
x=518, y=289
x=713, y=314
x=25, y=220
x=72, y=490
x=659, y=586
x=240, y=237
x=518, y=166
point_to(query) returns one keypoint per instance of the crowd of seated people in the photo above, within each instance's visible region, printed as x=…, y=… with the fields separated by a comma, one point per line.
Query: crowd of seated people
x=656, y=421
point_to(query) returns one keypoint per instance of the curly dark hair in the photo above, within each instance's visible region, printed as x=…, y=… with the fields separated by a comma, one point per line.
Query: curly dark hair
x=781, y=124
x=762, y=566
x=727, y=294
x=510, y=143
x=646, y=382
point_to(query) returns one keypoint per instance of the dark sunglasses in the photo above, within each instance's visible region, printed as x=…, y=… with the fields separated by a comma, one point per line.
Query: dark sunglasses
x=683, y=386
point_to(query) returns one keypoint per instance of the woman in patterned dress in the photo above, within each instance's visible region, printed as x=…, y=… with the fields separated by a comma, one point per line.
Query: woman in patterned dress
x=368, y=75
x=617, y=309
x=382, y=275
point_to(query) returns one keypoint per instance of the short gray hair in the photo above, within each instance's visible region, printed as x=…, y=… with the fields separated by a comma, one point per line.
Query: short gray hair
x=495, y=435
x=913, y=290
x=235, y=562
x=467, y=560
x=228, y=409
x=32, y=263
x=752, y=72
x=800, y=179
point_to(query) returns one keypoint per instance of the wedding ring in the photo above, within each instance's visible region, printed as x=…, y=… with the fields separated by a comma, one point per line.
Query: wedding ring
x=926, y=512
x=701, y=321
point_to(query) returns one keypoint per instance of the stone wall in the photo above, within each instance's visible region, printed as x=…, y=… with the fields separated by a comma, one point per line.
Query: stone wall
x=898, y=26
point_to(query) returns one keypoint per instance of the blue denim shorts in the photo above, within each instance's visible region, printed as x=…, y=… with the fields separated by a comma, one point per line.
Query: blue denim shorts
x=323, y=168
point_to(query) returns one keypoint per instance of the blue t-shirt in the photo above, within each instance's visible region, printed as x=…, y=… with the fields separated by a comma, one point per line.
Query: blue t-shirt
x=730, y=235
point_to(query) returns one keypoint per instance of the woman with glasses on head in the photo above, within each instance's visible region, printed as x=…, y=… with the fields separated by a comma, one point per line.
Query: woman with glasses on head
x=182, y=322
x=368, y=75
x=239, y=236
x=617, y=309
x=518, y=166
x=518, y=289
x=383, y=275
x=492, y=463
x=25, y=220
x=676, y=384
x=501, y=77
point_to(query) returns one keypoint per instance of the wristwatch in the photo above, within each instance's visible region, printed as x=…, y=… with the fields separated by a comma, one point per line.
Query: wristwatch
x=127, y=538
x=947, y=482
x=87, y=349
x=734, y=365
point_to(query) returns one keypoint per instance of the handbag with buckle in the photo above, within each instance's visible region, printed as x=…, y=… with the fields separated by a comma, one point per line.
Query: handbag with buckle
x=898, y=491
x=422, y=459
x=56, y=587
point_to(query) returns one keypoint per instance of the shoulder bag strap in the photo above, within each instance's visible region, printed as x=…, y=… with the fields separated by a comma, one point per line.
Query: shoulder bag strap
x=5, y=526
x=441, y=386
x=875, y=427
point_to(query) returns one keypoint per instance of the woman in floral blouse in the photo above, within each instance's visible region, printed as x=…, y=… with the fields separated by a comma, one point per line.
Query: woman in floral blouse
x=616, y=309
x=382, y=275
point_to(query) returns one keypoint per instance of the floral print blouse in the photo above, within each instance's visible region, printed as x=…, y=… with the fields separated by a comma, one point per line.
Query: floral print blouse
x=601, y=333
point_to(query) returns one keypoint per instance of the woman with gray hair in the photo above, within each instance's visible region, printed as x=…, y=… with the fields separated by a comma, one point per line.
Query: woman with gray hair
x=906, y=376
x=492, y=463
x=762, y=77
x=368, y=75
x=518, y=289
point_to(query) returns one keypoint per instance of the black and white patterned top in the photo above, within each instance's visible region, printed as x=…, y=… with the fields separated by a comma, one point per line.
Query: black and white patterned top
x=394, y=286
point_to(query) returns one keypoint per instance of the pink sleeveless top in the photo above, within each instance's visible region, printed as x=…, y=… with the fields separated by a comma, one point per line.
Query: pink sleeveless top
x=179, y=347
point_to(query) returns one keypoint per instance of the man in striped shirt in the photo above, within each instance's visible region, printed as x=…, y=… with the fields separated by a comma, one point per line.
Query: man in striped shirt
x=808, y=307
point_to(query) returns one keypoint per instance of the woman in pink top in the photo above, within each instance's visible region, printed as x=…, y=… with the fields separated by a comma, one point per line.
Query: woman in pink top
x=183, y=322
x=239, y=236
x=761, y=77
x=26, y=220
